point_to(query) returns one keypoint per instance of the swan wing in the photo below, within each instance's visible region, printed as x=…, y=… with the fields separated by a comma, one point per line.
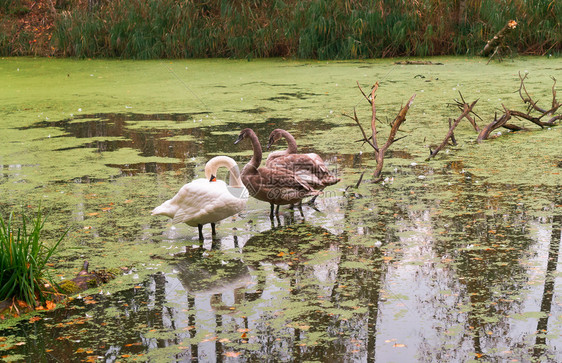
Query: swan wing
x=309, y=167
x=207, y=202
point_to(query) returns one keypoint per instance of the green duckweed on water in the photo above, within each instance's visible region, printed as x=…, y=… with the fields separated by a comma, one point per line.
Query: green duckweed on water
x=449, y=259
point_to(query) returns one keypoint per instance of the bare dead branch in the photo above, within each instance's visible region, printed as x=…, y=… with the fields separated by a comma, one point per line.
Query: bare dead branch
x=554, y=101
x=453, y=140
x=528, y=99
x=497, y=41
x=498, y=122
x=467, y=109
x=372, y=141
x=365, y=138
x=399, y=120
x=374, y=116
x=371, y=101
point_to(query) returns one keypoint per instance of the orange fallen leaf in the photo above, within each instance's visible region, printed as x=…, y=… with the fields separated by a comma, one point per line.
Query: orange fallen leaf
x=281, y=254
x=232, y=354
x=34, y=319
x=398, y=345
x=131, y=344
x=50, y=305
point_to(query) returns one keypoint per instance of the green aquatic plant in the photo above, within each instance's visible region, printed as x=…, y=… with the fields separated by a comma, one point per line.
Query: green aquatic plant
x=23, y=259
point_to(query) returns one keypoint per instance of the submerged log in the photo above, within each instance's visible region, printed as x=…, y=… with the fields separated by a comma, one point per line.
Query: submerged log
x=422, y=63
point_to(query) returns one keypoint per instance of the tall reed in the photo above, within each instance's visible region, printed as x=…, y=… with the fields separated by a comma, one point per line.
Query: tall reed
x=23, y=259
x=324, y=29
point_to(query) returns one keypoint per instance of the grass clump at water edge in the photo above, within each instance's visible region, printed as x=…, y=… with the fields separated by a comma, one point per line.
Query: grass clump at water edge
x=23, y=260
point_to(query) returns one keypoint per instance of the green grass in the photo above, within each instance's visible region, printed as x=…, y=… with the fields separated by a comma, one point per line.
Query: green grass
x=23, y=259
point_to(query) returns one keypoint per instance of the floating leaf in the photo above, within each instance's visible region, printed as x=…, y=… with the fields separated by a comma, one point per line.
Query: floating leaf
x=232, y=354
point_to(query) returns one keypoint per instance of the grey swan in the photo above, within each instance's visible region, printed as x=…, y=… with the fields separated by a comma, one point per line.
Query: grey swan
x=309, y=167
x=277, y=186
x=207, y=200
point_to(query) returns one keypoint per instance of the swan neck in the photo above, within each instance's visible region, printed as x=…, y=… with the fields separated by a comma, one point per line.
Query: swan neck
x=256, y=158
x=234, y=179
x=291, y=143
x=219, y=161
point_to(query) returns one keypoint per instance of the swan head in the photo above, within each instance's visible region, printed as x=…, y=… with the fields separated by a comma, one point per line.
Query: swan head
x=274, y=136
x=167, y=209
x=213, y=178
x=243, y=134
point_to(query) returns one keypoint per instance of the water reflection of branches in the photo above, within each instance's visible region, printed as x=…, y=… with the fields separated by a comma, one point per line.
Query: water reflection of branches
x=540, y=348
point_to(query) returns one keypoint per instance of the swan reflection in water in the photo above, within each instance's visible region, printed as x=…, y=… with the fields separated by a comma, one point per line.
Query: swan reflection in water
x=223, y=292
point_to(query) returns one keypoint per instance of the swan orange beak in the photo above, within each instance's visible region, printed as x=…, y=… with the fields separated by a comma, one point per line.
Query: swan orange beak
x=213, y=178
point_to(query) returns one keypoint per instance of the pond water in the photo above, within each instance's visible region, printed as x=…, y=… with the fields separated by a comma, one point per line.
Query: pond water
x=455, y=259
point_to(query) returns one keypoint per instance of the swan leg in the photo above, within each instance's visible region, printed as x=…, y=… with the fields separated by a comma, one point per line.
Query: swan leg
x=213, y=231
x=200, y=227
x=311, y=202
x=272, y=209
x=277, y=210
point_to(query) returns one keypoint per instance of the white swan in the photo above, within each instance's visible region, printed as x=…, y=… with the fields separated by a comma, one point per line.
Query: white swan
x=207, y=200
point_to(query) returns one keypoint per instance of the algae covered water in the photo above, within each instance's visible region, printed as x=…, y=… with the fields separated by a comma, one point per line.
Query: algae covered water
x=455, y=259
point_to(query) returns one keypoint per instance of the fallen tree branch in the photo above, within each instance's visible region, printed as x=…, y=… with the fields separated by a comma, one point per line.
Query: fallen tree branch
x=467, y=109
x=497, y=41
x=498, y=122
x=502, y=121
